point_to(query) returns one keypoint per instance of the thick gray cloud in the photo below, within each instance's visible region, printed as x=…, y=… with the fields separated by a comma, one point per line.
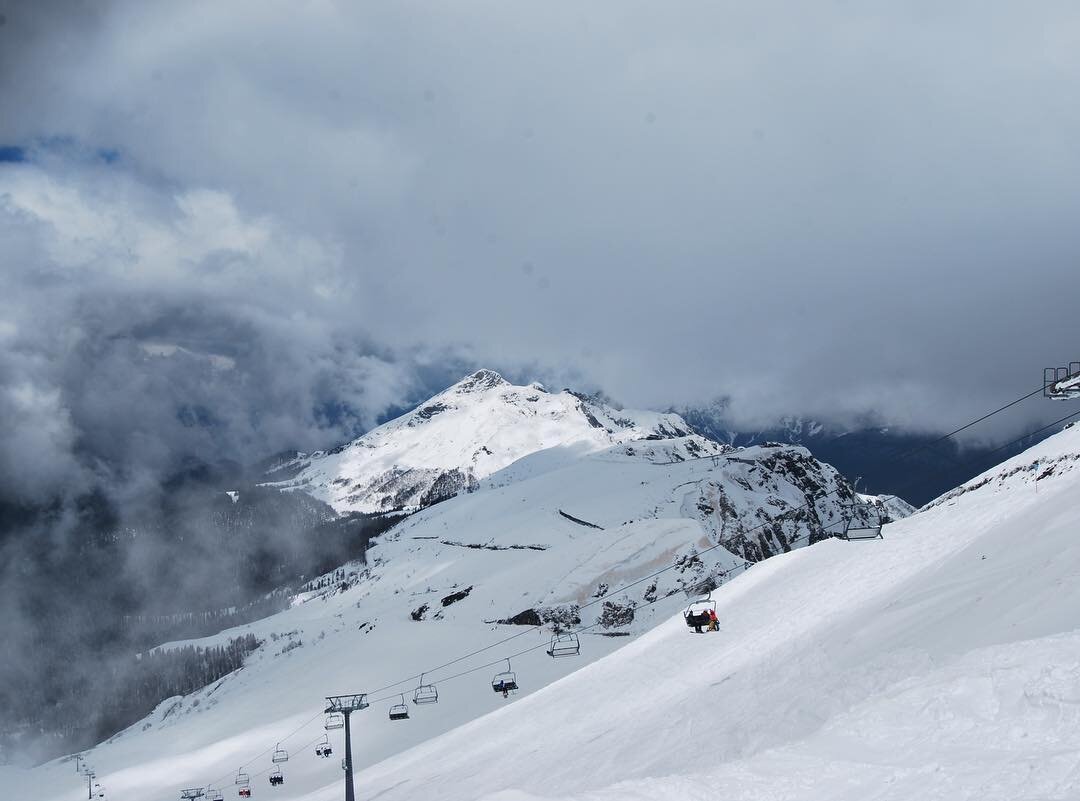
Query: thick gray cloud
x=828, y=209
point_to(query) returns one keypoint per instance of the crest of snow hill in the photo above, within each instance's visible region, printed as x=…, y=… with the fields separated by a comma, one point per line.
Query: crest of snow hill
x=448, y=444
x=611, y=468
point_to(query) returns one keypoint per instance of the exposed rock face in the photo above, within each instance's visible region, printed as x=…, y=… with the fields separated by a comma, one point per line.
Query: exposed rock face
x=770, y=499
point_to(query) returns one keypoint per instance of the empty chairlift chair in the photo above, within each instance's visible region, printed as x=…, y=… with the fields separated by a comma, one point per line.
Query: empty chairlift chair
x=335, y=720
x=564, y=643
x=1062, y=383
x=213, y=795
x=242, y=779
x=697, y=614
x=400, y=711
x=276, y=778
x=505, y=682
x=425, y=693
x=280, y=755
x=862, y=521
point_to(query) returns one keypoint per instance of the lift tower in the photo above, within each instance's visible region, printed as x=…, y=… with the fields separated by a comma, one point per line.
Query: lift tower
x=345, y=705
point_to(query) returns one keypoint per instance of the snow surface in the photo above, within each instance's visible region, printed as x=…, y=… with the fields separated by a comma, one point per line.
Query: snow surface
x=939, y=663
x=473, y=429
x=548, y=533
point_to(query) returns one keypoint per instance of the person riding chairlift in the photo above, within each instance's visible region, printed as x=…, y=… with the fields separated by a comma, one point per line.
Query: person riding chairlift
x=714, y=622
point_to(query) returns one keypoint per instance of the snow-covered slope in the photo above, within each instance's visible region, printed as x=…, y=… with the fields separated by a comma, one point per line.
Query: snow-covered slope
x=942, y=662
x=893, y=506
x=552, y=537
x=464, y=434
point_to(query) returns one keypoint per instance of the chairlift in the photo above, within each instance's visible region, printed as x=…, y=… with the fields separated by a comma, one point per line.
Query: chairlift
x=1062, y=383
x=505, y=682
x=276, y=778
x=862, y=521
x=214, y=795
x=697, y=614
x=564, y=643
x=242, y=779
x=335, y=720
x=425, y=693
x=280, y=755
x=245, y=792
x=400, y=711
x=324, y=748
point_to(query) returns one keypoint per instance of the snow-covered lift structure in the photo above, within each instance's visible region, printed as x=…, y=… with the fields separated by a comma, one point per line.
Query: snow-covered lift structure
x=1062, y=383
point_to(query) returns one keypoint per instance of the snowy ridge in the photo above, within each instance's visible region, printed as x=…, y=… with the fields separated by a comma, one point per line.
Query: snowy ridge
x=460, y=436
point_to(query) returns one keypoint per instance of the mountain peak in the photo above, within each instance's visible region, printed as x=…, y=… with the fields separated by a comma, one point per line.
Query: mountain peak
x=473, y=429
x=479, y=381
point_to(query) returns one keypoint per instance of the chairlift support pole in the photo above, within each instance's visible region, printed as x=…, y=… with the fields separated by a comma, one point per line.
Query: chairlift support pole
x=90, y=785
x=346, y=705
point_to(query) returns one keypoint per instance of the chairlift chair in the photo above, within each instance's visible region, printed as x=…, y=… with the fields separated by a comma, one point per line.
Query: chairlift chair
x=505, y=682
x=1062, y=383
x=280, y=755
x=862, y=525
x=242, y=779
x=697, y=615
x=245, y=792
x=425, y=693
x=564, y=643
x=324, y=748
x=335, y=720
x=276, y=778
x=400, y=711
x=214, y=795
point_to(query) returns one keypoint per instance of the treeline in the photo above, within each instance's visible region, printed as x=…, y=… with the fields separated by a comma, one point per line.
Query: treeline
x=145, y=630
x=124, y=691
x=86, y=584
x=143, y=683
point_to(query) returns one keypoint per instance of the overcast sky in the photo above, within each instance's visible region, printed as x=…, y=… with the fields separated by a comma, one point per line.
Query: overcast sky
x=228, y=228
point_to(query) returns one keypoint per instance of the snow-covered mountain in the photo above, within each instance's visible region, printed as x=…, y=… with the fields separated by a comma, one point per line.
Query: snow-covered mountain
x=937, y=663
x=462, y=435
x=550, y=539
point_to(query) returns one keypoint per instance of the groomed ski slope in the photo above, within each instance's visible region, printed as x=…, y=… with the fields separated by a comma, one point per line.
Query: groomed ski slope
x=942, y=662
